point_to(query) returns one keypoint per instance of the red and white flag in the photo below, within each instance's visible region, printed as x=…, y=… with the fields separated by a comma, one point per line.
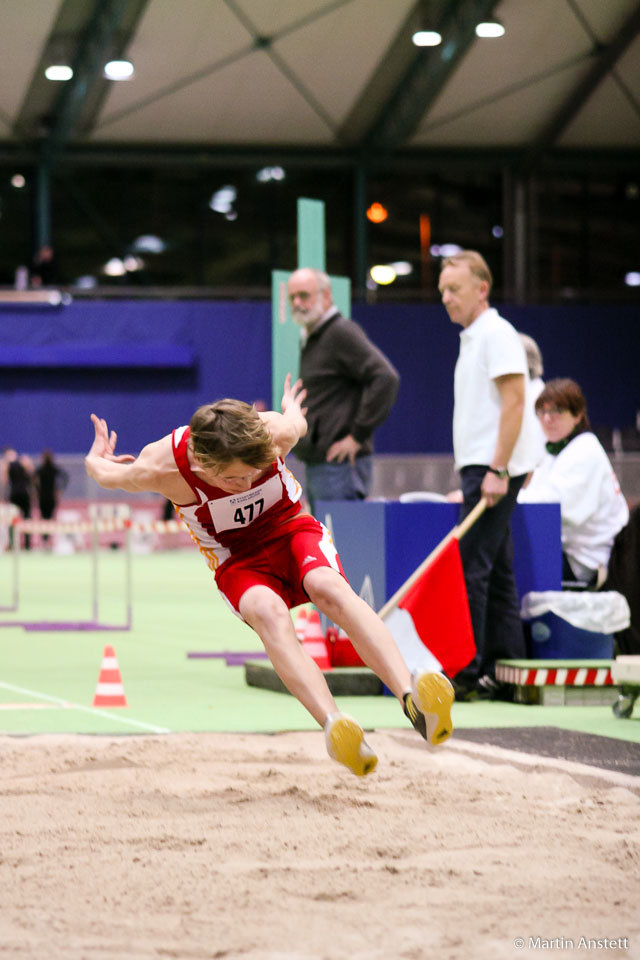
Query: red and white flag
x=431, y=624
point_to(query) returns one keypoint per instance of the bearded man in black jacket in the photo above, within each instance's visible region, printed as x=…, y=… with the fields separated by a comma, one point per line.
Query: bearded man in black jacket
x=351, y=387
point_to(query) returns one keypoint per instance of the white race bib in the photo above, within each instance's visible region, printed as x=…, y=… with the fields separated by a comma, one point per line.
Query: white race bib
x=241, y=509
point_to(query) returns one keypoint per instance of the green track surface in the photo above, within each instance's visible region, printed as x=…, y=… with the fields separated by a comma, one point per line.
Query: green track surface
x=176, y=609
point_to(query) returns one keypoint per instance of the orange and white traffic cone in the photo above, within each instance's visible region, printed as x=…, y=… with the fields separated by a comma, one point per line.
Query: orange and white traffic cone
x=301, y=624
x=109, y=691
x=315, y=642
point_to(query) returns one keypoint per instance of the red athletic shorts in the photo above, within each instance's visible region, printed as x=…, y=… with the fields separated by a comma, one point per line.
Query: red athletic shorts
x=281, y=563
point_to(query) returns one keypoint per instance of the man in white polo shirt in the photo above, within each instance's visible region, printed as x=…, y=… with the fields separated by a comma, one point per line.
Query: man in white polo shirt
x=494, y=450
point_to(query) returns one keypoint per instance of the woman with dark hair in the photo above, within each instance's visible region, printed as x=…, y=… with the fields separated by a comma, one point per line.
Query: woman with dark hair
x=577, y=473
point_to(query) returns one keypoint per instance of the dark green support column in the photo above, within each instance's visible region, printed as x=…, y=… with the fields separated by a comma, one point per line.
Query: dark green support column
x=360, y=228
x=42, y=212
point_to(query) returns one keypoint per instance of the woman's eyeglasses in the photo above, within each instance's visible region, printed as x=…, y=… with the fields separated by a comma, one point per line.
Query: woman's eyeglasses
x=551, y=411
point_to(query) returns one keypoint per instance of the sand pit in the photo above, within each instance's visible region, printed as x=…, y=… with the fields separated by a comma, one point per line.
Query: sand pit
x=256, y=847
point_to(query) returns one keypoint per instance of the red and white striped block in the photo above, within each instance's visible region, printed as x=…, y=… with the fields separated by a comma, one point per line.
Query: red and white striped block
x=554, y=676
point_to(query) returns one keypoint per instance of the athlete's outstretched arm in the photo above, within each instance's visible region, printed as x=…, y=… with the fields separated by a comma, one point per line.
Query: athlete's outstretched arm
x=287, y=427
x=122, y=472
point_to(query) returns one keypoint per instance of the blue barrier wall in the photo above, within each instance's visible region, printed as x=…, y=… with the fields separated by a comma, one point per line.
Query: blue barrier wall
x=382, y=543
x=599, y=346
x=146, y=365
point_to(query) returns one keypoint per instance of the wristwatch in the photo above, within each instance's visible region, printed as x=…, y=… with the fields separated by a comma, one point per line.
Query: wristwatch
x=500, y=472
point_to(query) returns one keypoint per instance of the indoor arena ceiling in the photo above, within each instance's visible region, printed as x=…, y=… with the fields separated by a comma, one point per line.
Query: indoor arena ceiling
x=330, y=75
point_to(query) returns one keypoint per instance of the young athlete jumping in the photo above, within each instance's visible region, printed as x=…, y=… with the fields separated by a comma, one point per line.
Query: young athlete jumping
x=225, y=475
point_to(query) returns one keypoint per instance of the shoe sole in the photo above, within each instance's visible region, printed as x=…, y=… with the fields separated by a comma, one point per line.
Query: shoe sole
x=434, y=694
x=346, y=744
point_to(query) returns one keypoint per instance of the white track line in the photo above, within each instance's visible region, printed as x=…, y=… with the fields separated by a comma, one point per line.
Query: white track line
x=78, y=706
x=487, y=750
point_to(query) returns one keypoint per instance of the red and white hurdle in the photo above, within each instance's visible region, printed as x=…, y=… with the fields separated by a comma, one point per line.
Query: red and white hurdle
x=103, y=518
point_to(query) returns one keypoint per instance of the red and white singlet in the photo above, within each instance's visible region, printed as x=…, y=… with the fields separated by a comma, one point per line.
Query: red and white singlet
x=224, y=525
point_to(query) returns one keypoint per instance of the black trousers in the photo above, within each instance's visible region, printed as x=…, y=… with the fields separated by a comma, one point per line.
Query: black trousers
x=486, y=551
x=23, y=503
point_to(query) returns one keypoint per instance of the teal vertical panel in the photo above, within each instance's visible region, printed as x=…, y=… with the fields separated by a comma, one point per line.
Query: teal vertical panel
x=285, y=337
x=341, y=289
x=311, y=234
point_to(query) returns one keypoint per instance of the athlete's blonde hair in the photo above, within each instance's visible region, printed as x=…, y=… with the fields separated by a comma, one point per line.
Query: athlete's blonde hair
x=230, y=430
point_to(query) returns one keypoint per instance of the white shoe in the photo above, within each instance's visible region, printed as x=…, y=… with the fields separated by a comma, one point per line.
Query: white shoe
x=345, y=743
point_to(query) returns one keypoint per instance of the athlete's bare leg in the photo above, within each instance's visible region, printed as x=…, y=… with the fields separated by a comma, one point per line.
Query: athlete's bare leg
x=331, y=593
x=431, y=693
x=267, y=613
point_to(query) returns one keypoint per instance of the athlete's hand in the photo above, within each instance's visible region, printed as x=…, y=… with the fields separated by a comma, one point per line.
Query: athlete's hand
x=104, y=443
x=293, y=396
x=345, y=449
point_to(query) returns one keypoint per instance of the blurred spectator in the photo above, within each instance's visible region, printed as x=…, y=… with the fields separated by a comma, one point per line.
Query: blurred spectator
x=534, y=387
x=534, y=363
x=43, y=268
x=624, y=576
x=577, y=474
x=18, y=472
x=50, y=480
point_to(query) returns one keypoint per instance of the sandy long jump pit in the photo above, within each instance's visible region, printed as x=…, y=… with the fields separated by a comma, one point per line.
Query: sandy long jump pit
x=255, y=846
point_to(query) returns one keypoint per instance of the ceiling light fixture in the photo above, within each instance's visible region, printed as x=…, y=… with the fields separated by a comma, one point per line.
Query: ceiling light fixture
x=444, y=249
x=402, y=268
x=222, y=200
x=377, y=213
x=490, y=28
x=58, y=71
x=426, y=38
x=118, y=70
x=383, y=274
x=270, y=173
x=149, y=243
x=114, y=267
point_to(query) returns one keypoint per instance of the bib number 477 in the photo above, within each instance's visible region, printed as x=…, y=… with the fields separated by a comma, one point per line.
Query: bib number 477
x=246, y=514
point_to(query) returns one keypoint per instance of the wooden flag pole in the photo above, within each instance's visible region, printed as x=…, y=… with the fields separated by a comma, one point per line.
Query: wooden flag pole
x=455, y=534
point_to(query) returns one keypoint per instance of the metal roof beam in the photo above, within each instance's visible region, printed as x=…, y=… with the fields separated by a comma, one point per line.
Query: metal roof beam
x=188, y=156
x=426, y=75
x=606, y=56
x=97, y=44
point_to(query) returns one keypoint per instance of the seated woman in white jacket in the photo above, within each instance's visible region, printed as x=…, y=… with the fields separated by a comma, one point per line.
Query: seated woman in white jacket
x=576, y=473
